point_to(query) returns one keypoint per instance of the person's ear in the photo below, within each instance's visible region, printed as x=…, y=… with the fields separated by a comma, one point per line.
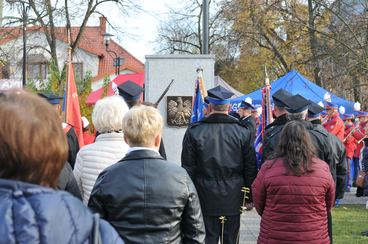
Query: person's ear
x=157, y=141
x=126, y=139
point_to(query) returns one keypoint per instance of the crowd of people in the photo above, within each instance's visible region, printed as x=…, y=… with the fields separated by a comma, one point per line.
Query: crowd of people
x=122, y=189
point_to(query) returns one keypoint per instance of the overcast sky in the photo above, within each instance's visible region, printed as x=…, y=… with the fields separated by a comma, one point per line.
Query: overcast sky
x=141, y=28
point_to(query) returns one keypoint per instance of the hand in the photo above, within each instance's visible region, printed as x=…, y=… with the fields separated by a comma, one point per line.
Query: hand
x=249, y=206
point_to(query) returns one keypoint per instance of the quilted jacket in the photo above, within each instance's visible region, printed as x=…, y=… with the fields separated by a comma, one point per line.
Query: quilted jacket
x=31, y=214
x=293, y=208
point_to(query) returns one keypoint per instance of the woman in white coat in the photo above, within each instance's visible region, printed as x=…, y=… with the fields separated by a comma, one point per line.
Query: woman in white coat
x=109, y=146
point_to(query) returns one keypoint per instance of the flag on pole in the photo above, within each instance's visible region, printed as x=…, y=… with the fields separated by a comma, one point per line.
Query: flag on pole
x=265, y=120
x=72, y=109
x=198, y=99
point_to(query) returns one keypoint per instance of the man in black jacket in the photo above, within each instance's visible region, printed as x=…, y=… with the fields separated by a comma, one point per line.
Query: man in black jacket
x=146, y=198
x=273, y=130
x=338, y=168
x=219, y=157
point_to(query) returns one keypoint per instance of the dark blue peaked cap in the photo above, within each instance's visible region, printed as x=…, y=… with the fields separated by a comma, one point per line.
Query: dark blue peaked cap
x=296, y=104
x=314, y=110
x=219, y=95
x=130, y=91
x=51, y=98
x=280, y=96
x=246, y=105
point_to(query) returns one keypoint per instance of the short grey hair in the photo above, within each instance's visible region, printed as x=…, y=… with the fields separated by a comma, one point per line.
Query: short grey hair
x=298, y=116
x=108, y=114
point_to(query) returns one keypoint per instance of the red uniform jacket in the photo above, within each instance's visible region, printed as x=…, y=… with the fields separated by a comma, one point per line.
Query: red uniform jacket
x=359, y=135
x=335, y=126
x=350, y=142
x=293, y=208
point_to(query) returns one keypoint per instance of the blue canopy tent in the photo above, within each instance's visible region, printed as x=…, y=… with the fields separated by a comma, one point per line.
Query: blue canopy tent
x=295, y=83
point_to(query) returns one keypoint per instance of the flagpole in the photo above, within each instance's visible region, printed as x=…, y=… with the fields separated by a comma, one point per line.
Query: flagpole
x=68, y=62
x=268, y=99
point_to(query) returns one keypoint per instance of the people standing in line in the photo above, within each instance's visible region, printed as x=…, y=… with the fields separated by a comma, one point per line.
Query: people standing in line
x=219, y=156
x=338, y=148
x=132, y=93
x=109, y=147
x=272, y=131
x=334, y=123
x=33, y=151
x=294, y=192
x=246, y=118
x=146, y=198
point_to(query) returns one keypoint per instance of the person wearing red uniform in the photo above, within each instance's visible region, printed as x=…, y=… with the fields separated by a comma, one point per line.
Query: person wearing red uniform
x=350, y=146
x=334, y=123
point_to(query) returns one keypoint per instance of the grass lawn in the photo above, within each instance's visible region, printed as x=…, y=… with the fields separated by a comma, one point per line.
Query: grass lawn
x=348, y=223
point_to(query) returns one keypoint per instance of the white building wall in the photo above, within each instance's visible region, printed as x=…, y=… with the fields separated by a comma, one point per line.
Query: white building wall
x=37, y=44
x=159, y=71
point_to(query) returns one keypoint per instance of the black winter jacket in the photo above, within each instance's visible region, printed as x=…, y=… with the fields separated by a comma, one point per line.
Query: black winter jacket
x=338, y=168
x=271, y=136
x=149, y=200
x=220, y=159
x=250, y=123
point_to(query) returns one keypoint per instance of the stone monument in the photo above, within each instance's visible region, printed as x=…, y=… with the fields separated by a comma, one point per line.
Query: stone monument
x=175, y=106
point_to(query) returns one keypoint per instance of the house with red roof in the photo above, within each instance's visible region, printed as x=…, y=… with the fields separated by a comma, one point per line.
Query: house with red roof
x=90, y=56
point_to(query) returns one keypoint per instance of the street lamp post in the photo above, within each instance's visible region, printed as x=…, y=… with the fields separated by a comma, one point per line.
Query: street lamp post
x=118, y=61
x=25, y=20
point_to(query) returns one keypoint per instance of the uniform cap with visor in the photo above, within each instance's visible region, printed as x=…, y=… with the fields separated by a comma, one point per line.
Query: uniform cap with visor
x=130, y=91
x=219, y=95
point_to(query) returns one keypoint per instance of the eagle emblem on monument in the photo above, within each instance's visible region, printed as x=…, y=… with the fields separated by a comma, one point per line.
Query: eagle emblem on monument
x=179, y=110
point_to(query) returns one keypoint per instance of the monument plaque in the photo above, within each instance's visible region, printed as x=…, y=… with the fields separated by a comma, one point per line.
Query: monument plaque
x=179, y=110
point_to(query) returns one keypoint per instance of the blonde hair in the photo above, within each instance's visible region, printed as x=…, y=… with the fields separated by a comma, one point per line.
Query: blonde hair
x=141, y=125
x=108, y=114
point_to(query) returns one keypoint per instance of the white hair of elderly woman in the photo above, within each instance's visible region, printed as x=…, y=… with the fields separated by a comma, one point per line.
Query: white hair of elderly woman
x=108, y=114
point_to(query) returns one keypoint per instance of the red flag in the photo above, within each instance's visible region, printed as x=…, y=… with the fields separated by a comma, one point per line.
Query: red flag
x=72, y=113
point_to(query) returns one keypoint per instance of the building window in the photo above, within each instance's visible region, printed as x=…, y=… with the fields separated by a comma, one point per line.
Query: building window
x=78, y=71
x=37, y=71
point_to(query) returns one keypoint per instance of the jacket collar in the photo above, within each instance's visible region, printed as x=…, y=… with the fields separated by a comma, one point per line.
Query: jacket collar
x=281, y=120
x=316, y=122
x=142, y=154
x=113, y=136
x=220, y=118
x=20, y=186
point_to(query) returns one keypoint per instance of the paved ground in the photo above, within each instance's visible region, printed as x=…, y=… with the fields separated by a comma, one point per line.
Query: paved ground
x=250, y=220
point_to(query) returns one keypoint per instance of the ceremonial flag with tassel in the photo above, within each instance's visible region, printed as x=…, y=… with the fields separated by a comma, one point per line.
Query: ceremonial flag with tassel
x=266, y=118
x=200, y=93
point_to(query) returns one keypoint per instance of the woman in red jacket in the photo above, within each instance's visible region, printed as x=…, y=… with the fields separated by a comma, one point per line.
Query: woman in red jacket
x=294, y=191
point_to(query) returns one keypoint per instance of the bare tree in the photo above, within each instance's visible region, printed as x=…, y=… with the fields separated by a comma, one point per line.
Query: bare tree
x=182, y=32
x=49, y=15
